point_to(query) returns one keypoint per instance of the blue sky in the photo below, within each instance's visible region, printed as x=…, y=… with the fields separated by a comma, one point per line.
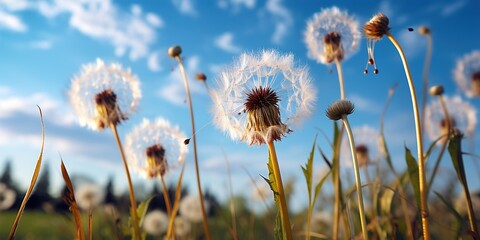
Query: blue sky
x=44, y=43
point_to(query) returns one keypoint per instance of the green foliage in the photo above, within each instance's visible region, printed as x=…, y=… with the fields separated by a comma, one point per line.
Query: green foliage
x=413, y=174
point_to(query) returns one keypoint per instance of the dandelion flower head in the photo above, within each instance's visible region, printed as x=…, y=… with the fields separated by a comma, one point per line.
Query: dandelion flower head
x=260, y=96
x=191, y=210
x=463, y=116
x=155, y=222
x=331, y=34
x=104, y=94
x=88, y=196
x=467, y=74
x=155, y=147
x=367, y=146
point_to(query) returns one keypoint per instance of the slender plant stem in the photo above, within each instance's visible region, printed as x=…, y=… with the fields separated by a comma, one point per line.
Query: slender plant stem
x=232, y=200
x=166, y=197
x=197, y=170
x=280, y=191
x=426, y=68
x=90, y=223
x=471, y=214
x=340, y=79
x=178, y=194
x=133, y=202
x=418, y=130
x=358, y=182
x=444, y=143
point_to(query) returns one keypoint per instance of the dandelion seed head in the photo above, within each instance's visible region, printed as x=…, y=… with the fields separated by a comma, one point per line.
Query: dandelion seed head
x=330, y=35
x=155, y=222
x=102, y=94
x=467, y=74
x=340, y=108
x=174, y=51
x=367, y=146
x=463, y=117
x=7, y=197
x=182, y=227
x=154, y=148
x=191, y=210
x=88, y=196
x=260, y=97
x=376, y=27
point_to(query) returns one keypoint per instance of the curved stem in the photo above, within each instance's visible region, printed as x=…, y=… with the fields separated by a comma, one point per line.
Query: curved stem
x=133, y=202
x=166, y=197
x=358, y=182
x=340, y=78
x=281, y=192
x=421, y=159
x=197, y=171
x=426, y=68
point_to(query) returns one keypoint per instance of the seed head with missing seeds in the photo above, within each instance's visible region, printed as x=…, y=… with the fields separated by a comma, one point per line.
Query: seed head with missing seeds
x=339, y=109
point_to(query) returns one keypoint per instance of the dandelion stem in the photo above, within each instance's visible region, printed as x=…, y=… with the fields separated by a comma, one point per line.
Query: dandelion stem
x=280, y=191
x=166, y=197
x=421, y=159
x=197, y=171
x=358, y=182
x=426, y=69
x=340, y=78
x=133, y=209
x=178, y=193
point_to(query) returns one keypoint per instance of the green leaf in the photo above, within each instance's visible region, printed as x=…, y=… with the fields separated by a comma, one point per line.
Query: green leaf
x=431, y=147
x=142, y=209
x=318, y=187
x=386, y=202
x=278, y=228
x=308, y=169
x=452, y=210
x=455, y=150
x=383, y=143
x=325, y=158
x=413, y=174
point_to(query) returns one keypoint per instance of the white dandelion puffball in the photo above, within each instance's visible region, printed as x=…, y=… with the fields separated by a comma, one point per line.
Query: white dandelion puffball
x=7, y=197
x=155, y=222
x=325, y=22
x=96, y=78
x=462, y=115
x=191, y=210
x=367, y=146
x=89, y=196
x=261, y=96
x=155, y=133
x=467, y=74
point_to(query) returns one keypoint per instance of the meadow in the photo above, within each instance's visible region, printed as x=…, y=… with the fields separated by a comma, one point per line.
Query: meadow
x=258, y=99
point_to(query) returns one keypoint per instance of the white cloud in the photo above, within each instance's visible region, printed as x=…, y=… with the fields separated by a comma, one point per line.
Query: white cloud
x=41, y=44
x=12, y=22
x=236, y=4
x=452, y=8
x=174, y=91
x=365, y=104
x=282, y=17
x=131, y=32
x=225, y=42
x=153, y=62
x=185, y=7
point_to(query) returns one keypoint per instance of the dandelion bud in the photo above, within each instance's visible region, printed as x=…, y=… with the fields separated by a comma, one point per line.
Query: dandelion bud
x=423, y=30
x=174, y=51
x=437, y=90
x=340, y=108
x=201, y=77
x=376, y=27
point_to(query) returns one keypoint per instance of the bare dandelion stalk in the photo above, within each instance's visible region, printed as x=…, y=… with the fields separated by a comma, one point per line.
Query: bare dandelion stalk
x=428, y=58
x=340, y=78
x=418, y=130
x=133, y=202
x=280, y=191
x=166, y=197
x=340, y=110
x=175, y=53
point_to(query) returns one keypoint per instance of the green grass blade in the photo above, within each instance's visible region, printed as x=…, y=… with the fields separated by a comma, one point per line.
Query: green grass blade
x=318, y=187
x=308, y=169
x=36, y=172
x=413, y=174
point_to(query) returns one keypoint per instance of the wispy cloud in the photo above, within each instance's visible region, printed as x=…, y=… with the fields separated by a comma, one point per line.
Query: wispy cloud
x=282, y=17
x=11, y=22
x=185, y=7
x=225, y=42
x=154, y=62
x=41, y=44
x=453, y=8
x=128, y=31
x=365, y=104
x=236, y=4
x=174, y=91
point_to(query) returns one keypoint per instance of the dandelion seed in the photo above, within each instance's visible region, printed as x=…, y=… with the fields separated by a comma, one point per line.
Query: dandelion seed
x=155, y=222
x=155, y=147
x=467, y=74
x=102, y=95
x=462, y=116
x=261, y=96
x=88, y=196
x=331, y=35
